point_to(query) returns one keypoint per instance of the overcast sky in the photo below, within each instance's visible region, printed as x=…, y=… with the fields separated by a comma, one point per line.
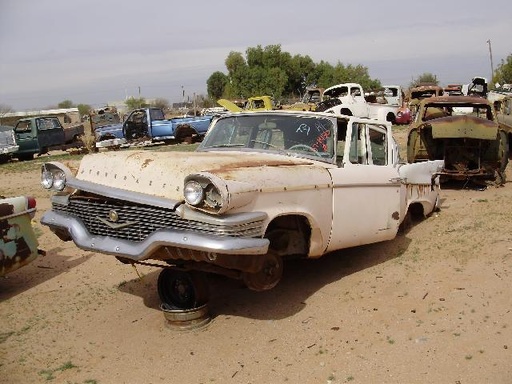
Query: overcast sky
x=99, y=51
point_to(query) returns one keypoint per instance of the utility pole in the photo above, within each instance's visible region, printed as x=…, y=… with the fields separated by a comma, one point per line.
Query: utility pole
x=490, y=56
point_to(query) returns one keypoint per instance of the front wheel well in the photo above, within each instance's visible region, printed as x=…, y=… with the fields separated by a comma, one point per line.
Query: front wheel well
x=417, y=211
x=414, y=214
x=289, y=235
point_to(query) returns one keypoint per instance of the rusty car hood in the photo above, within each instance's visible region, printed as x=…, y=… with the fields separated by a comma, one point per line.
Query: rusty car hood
x=461, y=126
x=163, y=173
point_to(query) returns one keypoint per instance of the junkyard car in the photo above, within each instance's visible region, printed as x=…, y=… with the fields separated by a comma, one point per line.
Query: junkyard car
x=462, y=131
x=416, y=94
x=7, y=143
x=261, y=187
x=18, y=242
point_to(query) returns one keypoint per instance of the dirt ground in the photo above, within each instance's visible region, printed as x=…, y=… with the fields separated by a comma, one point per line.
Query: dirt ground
x=432, y=306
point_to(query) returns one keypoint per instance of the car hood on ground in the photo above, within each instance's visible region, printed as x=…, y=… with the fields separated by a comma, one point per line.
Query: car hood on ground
x=163, y=173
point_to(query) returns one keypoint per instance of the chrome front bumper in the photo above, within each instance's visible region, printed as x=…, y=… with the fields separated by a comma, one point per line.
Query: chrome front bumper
x=142, y=250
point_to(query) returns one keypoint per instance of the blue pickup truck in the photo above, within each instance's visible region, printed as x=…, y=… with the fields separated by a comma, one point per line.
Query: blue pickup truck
x=150, y=124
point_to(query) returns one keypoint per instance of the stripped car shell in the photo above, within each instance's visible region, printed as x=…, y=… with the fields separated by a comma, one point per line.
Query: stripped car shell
x=462, y=131
x=275, y=185
x=18, y=242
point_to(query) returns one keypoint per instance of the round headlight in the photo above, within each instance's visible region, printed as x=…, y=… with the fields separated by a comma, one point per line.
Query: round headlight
x=59, y=180
x=46, y=179
x=194, y=193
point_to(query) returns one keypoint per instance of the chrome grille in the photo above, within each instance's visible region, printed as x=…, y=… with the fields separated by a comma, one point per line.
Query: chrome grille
x=135, y=221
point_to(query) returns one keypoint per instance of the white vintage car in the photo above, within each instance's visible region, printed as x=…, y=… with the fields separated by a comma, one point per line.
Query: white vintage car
x=261, y=187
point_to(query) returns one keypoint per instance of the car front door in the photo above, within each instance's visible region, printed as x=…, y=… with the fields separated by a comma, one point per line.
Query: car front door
x=366, y=187
x=49, y=132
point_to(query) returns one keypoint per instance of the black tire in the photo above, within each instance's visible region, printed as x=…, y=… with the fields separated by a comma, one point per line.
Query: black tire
x=181, y=289
x=269, y=275
x=26, y=156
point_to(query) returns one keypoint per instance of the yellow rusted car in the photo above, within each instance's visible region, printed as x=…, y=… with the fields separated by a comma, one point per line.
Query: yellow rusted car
x=462, y=131
x=256, y=103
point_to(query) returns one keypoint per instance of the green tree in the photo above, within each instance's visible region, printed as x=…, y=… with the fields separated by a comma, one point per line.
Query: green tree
x=503, y=74
x=270, y=71
x=83, y=109
x=425, y=78
x=237, y=70
x=134, y=103
x=66, y=104
x=161, y=103
x=301, y=74
x=216, y=85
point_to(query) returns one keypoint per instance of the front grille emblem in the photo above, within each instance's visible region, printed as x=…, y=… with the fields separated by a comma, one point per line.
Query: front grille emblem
x=113, y=216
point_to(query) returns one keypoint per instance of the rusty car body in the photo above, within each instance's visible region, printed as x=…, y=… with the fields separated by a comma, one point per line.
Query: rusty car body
x=18, y=242
x=453, y=90
x=420, y=92
x=102, y=117
x=462, y=131
x=312, y=96
x=261, y=187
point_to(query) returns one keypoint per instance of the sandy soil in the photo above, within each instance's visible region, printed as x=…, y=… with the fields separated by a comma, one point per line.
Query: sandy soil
x=432, y=306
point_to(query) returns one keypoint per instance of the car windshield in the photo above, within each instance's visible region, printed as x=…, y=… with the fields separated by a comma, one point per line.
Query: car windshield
x=438, y=110
x=289, y=134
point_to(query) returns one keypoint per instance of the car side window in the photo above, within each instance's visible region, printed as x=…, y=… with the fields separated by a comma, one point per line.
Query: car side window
x=46, y=124
x=341, y=140
x=368, y=145
x=357, y=153
x=378, y=146
x=22, y=126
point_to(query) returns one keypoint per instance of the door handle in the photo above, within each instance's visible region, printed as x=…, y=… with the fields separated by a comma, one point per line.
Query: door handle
x=397, y=180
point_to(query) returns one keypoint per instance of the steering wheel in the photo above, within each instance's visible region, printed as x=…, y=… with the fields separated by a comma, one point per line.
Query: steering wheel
x=304, y=146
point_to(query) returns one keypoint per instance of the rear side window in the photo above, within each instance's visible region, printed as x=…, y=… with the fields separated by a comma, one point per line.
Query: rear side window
x=46, y=124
